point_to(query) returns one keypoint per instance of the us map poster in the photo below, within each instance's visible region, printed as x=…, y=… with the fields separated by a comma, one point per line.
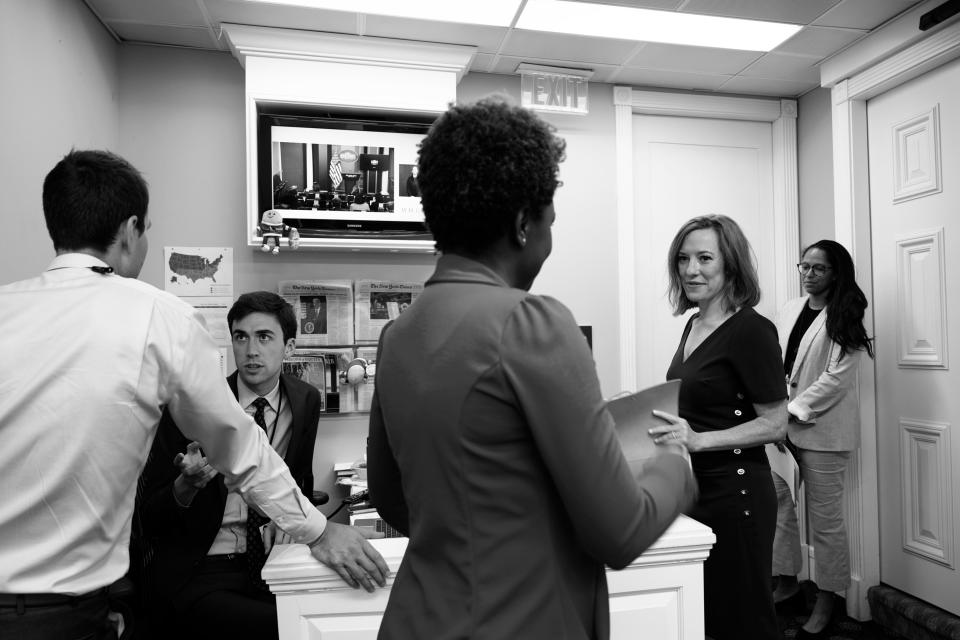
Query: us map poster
x=198, y=271
x=203, y=278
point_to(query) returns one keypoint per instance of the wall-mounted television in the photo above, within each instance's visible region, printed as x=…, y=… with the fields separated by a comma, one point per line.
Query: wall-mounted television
x=341, y=177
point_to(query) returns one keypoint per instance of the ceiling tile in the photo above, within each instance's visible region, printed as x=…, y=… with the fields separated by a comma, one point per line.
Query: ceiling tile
x=182, y=12
x=604, y=73
x=793, y=11
x=282, y=16
x=863, y=14
x=196, y=37
x=768, y=87
x=784, y=67
x=508, y=65
x=556, y=46
x=482, y=62
x=819, y=42
x=669, y=79
x=692, y=59
x=789, y=70
x=664, y=5
x=486, y=38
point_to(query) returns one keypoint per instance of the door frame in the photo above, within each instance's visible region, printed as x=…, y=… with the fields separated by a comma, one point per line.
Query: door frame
x=782, y=114
x=864, y=72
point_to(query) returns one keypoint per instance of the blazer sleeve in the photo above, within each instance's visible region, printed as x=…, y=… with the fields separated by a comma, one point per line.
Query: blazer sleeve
x=615, y=515
x=835, y=382
x=383, y=474
x=159, y=510
x=311, y=420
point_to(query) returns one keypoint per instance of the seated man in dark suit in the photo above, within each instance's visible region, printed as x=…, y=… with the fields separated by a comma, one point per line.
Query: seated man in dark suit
x=208, y=552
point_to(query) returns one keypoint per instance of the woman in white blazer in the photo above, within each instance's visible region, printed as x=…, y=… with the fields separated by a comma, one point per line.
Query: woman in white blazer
x=822, y=338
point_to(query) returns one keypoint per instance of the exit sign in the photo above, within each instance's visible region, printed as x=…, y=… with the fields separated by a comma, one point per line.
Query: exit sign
x=546, y=90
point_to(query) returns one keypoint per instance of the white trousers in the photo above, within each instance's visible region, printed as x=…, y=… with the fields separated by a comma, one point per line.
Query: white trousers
x=821, y=474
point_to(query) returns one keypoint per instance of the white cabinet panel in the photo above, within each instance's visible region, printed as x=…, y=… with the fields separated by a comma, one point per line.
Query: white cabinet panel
x=659, y=595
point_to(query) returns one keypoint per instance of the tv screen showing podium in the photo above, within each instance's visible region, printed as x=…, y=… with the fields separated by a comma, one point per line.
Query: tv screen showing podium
x=333, y=176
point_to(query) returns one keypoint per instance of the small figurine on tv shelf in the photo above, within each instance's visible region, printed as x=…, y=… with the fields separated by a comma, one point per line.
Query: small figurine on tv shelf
x=271, y=228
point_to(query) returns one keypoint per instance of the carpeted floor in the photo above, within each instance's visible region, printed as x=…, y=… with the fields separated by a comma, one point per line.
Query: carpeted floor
x=842, y=627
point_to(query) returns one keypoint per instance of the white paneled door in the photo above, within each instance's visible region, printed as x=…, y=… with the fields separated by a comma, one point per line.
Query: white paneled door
x=914, y=142
x=685, y=167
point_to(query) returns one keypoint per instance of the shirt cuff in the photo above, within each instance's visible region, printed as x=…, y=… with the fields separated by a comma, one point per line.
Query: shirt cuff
x=312, y=529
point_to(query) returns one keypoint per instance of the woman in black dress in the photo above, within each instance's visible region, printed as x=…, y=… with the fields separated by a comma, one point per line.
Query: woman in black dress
x=732, y=401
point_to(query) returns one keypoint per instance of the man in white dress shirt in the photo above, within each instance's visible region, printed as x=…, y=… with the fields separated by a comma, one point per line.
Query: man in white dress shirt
x=90, y=357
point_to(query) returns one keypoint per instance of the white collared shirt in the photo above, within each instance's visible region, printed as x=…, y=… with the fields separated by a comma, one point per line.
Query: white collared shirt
x=278, y=427
x=87, y=364
x=232, y=535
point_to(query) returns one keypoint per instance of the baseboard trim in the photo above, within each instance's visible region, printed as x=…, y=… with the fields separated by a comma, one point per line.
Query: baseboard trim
x=858, y=607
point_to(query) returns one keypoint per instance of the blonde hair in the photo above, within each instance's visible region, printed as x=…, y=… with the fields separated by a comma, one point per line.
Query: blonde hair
x=742, y=286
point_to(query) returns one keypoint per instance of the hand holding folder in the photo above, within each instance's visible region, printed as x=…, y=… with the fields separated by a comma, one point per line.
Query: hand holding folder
x=633, y=415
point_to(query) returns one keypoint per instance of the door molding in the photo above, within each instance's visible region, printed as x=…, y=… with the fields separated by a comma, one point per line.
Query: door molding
x=782, y=114
x=851, y=191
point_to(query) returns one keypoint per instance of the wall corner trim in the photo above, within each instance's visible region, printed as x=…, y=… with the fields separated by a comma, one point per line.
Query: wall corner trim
x=267, y=42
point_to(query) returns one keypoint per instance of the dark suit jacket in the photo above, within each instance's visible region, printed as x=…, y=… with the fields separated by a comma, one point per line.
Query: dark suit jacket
x=180, y=537
x=413, y=189
x=491, y=446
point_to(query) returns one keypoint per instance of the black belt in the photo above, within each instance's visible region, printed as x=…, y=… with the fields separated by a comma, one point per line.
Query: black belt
x=22, y=601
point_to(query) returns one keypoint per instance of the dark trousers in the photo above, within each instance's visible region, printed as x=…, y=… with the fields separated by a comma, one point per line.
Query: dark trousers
x=741, y=508
x=220, y=601
x=47, y=617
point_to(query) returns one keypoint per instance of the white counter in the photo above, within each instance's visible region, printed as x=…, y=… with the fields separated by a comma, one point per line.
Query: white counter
x=660, y=595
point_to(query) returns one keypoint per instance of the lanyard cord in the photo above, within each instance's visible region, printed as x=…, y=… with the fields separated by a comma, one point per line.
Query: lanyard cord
x=101, y=270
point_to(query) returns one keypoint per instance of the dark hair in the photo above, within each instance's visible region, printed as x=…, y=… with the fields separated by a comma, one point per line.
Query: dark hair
x=88, y=195
x=264, y=302
x=846, y=302
x=742, y=287
x=480, y=165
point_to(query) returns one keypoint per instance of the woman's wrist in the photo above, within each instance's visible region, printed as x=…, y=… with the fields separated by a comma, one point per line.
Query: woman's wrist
x=693, y=441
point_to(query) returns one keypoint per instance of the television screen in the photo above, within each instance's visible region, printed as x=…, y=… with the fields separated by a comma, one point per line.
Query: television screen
x=341, y=177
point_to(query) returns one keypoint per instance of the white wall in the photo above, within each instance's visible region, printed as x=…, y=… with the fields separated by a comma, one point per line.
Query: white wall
x=815, y=167
x=582, y=270
x=58, y=70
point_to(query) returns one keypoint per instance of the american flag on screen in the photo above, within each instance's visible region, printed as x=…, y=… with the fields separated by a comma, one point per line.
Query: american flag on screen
x=336, y=177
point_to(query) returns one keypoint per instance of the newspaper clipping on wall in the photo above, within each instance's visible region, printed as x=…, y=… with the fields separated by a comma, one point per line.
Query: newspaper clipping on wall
x=378, y=302
x=324, y=311
x=321, y=368
x=214, y=311
x=313, y=369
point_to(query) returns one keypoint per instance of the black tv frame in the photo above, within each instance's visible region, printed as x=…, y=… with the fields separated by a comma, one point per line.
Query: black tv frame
x=352, y=226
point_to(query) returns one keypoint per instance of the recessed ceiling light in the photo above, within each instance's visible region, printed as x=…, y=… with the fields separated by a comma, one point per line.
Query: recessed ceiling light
x=499, y=13
x=646, y=25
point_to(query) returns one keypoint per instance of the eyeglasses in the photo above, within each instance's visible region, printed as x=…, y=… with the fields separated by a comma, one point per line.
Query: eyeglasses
x=818, y=269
